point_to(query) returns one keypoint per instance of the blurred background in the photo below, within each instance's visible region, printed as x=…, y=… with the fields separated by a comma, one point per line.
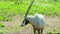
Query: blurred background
x=12, y=13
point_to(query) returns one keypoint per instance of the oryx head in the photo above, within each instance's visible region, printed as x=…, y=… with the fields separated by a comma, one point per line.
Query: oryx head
x=26, y=21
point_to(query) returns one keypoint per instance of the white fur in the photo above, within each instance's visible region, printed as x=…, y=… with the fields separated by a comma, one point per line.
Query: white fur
x=37, y=20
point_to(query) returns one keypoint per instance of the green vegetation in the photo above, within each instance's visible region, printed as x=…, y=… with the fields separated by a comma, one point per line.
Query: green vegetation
x=10, y=8
x=2, y=25
x=1, y=33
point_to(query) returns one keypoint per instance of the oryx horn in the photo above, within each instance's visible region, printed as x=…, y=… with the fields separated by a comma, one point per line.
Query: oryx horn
x=29, y=8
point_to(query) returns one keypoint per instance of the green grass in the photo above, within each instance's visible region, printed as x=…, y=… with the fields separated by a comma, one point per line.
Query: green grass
x=9, y=30
x=2, y=25
x=9, y=8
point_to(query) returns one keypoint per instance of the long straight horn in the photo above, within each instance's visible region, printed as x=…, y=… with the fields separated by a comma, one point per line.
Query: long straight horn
x=29, y=8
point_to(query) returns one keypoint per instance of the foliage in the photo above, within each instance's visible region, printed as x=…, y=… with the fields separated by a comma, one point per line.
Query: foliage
x=2, y=25
x=9, y=9
x=1, y=33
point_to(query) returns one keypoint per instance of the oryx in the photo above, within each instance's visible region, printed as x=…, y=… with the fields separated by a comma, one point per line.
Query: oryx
x=37, y=21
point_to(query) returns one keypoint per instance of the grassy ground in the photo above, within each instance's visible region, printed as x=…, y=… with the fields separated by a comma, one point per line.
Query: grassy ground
x=9, y=10
x=52, y=26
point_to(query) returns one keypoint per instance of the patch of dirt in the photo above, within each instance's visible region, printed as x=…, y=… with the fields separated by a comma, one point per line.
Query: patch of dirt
x=52, y=24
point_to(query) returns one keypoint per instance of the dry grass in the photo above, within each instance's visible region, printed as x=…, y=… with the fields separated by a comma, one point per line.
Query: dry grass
x=13, y=27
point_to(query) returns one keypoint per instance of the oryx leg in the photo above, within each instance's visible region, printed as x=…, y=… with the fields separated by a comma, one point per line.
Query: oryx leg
x=41, y=31
x=34, y=30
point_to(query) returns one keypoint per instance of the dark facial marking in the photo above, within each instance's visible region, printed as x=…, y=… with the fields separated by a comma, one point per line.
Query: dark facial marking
x=26, y=21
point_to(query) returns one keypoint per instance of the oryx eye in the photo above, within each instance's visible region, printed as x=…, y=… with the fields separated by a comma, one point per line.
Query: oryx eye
x=27, y=21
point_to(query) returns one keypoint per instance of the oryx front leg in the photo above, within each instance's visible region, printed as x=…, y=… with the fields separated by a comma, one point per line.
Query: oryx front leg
x=34, y=30
x=40, y=31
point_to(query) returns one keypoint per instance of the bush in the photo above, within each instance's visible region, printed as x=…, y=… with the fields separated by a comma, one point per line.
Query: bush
x=2, y=25
x=1, y=33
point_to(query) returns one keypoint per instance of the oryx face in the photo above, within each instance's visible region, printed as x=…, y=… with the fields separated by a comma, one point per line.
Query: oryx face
x=25, y=22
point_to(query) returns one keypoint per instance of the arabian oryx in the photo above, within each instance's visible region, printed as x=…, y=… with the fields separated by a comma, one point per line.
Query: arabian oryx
x=37, y=21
